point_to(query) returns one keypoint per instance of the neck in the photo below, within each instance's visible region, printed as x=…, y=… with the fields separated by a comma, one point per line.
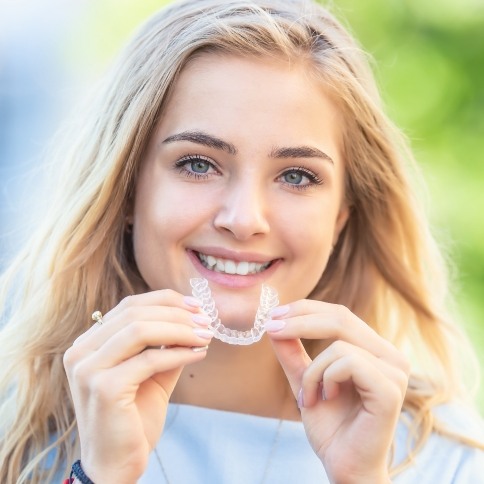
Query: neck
x=243, y=379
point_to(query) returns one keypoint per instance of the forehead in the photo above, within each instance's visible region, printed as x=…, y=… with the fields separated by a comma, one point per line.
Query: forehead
x=244, y=97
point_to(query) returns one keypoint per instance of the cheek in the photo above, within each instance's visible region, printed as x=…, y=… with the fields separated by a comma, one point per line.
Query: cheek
x=307, y=235
x=312, y=246
x=307, y=228
x=168, y=212
x=310, y=257
x=153, y=214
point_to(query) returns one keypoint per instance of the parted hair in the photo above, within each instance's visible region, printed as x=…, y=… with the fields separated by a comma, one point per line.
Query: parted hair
x=385, y=267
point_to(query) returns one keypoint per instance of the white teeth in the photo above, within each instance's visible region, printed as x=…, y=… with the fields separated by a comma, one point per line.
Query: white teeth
x=231, y=267
x=242, y=268
x=211, y=260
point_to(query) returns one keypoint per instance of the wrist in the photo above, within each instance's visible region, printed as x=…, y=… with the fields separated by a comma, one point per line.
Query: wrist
x=373, y=477
x=83, y=474
x=105, y=475
x=78, y=475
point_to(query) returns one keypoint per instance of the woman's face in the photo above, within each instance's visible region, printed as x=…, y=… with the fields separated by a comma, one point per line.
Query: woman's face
x=242, y=184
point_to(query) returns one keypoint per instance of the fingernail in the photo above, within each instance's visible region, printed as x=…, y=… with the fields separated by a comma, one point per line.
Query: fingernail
x=274, y=325
x=201, y=319
x=300, y=399
x=203, y=333
x=279, y=311
x=199, y=349
x=192, y=301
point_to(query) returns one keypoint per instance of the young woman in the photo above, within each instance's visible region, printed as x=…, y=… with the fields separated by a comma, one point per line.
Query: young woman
x=241, y=142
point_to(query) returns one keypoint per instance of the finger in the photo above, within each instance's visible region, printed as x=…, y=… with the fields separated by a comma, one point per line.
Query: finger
x=163, y=297
x=294, y=361
x=137, y=336
x=379, y=385
x=162, y=364
x=98, y=334
x=307, y=319
x=125, y=379
x=379, y=395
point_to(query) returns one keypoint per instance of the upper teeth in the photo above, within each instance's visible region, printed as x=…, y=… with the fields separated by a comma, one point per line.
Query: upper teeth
x=231, y=267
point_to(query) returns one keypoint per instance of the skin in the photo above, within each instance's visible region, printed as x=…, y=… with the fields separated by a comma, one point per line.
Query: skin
x=242, y=204
x=240, y=199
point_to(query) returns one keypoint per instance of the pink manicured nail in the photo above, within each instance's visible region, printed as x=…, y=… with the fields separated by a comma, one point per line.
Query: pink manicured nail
x=192, y=301
x=201, y=319
x=279, y=311
x=203, y=333
x=274, y=325
x=300, y=399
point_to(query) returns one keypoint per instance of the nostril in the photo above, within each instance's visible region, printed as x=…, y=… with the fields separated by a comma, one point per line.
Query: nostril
x=242, y=224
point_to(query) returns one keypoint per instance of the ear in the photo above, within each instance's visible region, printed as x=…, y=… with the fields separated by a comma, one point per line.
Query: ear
x=341, y=219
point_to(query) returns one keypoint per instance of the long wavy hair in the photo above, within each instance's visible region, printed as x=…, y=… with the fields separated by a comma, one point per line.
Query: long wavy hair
x=385, y=267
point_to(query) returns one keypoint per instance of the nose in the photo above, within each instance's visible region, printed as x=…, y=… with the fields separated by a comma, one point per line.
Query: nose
x=243, y=211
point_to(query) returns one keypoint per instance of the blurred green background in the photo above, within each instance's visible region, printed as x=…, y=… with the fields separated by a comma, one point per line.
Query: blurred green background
x=429, y=62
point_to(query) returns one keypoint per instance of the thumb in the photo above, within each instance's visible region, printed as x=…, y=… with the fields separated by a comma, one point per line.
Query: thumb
x=294, y=360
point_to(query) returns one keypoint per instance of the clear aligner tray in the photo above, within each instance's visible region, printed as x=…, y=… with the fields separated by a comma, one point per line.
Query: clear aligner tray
x=268, y=300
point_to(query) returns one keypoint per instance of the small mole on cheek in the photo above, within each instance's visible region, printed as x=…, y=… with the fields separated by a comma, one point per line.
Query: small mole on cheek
x=191, y=375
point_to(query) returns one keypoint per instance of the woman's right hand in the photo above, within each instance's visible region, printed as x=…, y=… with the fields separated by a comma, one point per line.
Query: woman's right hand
x=121, y=375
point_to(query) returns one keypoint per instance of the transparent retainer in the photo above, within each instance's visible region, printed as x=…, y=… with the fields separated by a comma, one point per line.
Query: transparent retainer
x=268, y=300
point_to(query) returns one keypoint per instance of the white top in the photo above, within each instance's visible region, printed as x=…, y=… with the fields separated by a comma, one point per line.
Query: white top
x=206, y=446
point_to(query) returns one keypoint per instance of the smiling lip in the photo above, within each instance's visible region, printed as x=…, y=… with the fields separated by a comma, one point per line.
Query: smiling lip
x=254, y=267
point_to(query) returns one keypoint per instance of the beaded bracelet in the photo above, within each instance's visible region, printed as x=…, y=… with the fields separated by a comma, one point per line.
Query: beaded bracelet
x=79, y=473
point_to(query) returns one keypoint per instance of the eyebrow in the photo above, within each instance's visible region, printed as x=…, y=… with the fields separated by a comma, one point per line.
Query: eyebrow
x=300, y=152
x=202, y=138
x=211, y=141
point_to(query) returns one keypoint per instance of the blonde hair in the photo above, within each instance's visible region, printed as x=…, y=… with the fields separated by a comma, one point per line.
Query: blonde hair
x=385, y=267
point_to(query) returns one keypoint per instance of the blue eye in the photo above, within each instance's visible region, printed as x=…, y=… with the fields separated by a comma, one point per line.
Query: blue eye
x=293, y=177
x=300, y=178
x=199, y=166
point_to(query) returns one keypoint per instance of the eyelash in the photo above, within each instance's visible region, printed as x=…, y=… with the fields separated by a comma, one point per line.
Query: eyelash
x=180, y=165
x=182, y=162
x=310, y=175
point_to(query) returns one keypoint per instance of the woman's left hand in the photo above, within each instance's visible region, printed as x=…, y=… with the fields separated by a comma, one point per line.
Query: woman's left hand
x=350, y=395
